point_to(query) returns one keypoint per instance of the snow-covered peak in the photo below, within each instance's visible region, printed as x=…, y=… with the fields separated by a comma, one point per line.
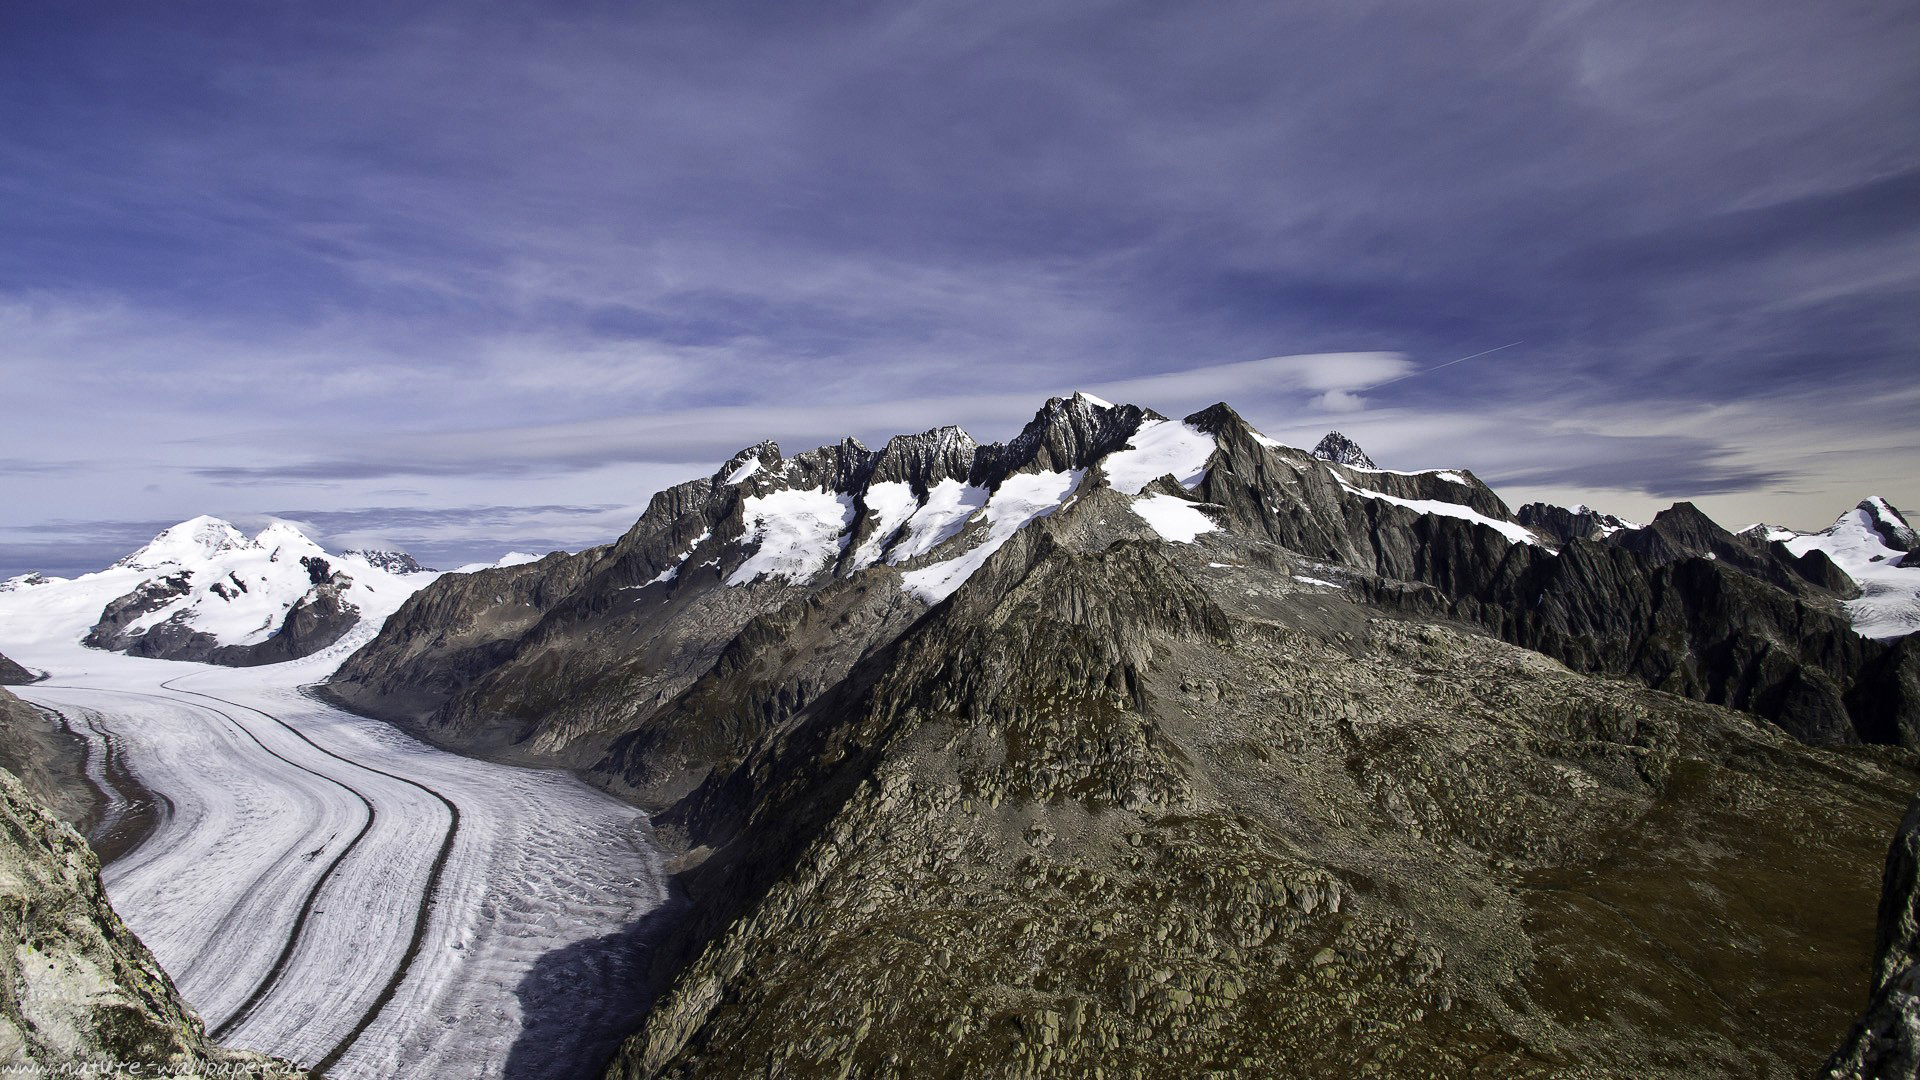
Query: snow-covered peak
x=1879, y=515
x=1096, y=402
x=192, y=541
x=393, y=562
x=742, y=466
x=1866, y=542
x=282, y=541
x=202, y=585
x=1341, y=450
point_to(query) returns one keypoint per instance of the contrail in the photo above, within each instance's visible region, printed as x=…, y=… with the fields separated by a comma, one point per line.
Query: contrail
x=1437, y=367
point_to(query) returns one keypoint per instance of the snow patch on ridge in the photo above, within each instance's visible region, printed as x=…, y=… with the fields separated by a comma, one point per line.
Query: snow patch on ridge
x=1174, y=518
x=673, y=571
x=1020, y=499
x=798, y=532
x=950, y=504
x=1515, y=533
x=892, y=504
x=1159, y=448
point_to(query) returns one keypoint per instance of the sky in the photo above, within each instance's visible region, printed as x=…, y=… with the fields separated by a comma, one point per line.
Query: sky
x=470, y=277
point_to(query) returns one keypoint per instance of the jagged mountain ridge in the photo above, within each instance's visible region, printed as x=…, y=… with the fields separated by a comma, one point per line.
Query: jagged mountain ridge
x=615, y=634
x=643, y=618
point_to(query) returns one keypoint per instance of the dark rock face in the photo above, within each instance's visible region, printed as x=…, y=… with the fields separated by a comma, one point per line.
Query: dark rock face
x=1341, y=450
x=1885, y=1044
x=82, y=992
x=12, y=674
x=111, y=632
x=1891, y=524
x=48, y=760
x=317, y=620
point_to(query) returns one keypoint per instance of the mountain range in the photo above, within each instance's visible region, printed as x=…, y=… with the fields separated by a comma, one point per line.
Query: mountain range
x=1156, y=747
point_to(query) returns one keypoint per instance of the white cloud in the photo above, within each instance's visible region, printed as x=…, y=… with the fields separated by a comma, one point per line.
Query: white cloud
x=1339, y=401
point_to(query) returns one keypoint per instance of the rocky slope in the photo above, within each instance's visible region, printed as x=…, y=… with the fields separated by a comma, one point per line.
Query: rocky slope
x=1885, y=1044
x=1161, y=746
x=49, y=761
x=82, y=993
x=12, y=674
x=1118, y=807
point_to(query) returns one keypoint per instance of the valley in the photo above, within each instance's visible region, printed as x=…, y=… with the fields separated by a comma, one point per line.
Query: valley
x=328, y=890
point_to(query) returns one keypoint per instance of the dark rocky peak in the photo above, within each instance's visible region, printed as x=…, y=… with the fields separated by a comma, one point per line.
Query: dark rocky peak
x=1679, y=531
x=1888, y=522
x=925, y=459
x=843, y=466
x=1683, y=531
x=1067, y=433
x=1563, y=524
x=1341, y=450
x=747, y=463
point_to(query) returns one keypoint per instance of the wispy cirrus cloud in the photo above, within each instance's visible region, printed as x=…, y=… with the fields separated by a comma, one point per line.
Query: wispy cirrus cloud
x=487, y=252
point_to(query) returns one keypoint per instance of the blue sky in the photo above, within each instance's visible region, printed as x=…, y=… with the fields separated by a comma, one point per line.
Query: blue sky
x=469, y=277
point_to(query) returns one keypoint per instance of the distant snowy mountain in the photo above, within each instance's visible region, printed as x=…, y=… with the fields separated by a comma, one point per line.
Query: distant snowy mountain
x=204, y=590
x=511, y=558
x=393, y=562
x=1876, y=547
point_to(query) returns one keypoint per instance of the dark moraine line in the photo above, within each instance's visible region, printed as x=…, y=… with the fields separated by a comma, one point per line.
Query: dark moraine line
x=273, y=974
x=421, y=915
x=132, y=811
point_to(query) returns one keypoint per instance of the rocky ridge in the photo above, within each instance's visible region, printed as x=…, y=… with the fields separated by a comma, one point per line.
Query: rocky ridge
x=1159, y=746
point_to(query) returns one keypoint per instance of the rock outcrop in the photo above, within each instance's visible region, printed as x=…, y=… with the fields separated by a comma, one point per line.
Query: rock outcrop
x=12, y=674
x=82, y=995
x=1885, y=1044
x=49, y=760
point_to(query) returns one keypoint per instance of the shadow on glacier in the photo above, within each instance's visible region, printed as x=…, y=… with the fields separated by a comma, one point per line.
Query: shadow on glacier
x=580, y=1000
